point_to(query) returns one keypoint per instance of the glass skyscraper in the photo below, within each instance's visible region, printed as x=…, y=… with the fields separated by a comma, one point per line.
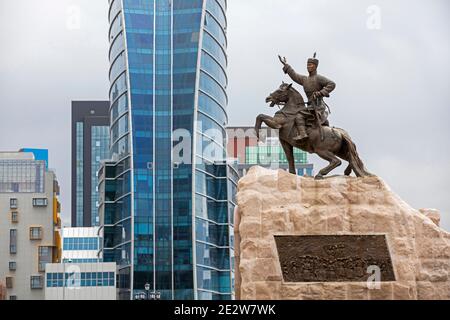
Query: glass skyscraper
x=167, y=212
x=90, y=145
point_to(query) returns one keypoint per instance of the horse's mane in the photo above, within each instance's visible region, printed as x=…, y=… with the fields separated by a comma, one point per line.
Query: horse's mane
x=297, y=92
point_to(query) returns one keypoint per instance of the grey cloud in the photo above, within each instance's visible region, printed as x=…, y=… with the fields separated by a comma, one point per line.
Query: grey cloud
x=392, y=94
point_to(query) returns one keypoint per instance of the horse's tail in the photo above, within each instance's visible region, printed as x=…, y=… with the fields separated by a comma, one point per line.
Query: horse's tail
x=352, y=154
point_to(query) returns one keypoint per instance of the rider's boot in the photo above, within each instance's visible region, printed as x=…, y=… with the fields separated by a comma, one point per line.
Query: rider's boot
x=301, y=133
x=301, y=128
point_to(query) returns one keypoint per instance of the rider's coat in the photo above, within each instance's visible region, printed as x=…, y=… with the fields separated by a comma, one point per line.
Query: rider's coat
x=313, y=83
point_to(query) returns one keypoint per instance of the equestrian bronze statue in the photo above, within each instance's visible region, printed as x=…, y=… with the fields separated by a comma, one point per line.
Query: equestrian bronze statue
x=305, y=125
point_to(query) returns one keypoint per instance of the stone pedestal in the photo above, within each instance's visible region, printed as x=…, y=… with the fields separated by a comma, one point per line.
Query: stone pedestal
x=276, y=203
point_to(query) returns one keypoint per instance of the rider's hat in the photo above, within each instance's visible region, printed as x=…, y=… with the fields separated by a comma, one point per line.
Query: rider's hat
x=314, y=60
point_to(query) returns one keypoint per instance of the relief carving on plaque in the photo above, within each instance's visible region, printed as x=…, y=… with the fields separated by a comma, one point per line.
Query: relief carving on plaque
x=324, y=258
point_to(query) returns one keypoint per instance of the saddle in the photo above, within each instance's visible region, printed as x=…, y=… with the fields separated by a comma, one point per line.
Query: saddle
x=289, y=131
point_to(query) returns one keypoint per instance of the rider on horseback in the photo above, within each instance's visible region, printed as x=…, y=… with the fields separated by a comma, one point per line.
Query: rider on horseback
x=331, y=144
x=316, y=88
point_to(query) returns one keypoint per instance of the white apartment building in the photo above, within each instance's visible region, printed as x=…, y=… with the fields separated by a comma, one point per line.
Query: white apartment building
x=29, y=224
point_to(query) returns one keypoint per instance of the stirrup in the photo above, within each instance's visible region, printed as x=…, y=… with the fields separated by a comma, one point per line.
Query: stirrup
x=298, y=138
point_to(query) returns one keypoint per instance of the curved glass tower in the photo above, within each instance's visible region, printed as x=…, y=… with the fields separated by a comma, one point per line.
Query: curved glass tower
x=166, y=196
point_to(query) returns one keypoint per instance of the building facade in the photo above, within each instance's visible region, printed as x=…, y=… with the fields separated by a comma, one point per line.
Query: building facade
x=85, y=281
x=166, y=195
x=90, y=145
x=2, y=290
x=80, y=245
x=29, y=226
x=244, y=147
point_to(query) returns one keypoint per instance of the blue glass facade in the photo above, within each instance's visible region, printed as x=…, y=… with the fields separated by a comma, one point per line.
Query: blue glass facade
x=79, y=173
x=87, y=260
x=90, y=145
x=166, y=222
x=99, y=145
x=72, y=244
x=99, y=152
x=85, y=279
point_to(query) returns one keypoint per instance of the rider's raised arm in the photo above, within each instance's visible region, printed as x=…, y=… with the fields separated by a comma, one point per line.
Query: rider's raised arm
x=298, y=78
x=328, y=86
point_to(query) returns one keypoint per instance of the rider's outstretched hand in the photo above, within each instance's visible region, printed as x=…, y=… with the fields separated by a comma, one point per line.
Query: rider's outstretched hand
x=283, y=60
x=285, y=63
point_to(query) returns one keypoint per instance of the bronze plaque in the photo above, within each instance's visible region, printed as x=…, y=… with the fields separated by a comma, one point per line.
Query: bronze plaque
x=338, y=258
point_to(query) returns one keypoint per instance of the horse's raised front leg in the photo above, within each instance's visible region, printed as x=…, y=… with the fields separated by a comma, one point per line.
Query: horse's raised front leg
x=331, y=158
x=271, y=122
x=258, y=124
x=289, y=151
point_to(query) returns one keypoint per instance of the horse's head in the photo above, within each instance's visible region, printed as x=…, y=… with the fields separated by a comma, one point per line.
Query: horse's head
x=280, y=96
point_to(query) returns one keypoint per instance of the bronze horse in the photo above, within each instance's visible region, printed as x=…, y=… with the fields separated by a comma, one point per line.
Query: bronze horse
x=328, y=143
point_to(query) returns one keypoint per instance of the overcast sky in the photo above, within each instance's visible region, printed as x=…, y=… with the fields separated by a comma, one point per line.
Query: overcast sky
x=388, y=58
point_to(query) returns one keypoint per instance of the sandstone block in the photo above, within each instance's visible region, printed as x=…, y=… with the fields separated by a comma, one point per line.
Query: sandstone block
x=433, y=214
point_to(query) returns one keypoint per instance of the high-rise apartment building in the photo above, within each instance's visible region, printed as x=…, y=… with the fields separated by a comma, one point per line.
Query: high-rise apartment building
x=90, y=145
x=29, y=225
x=166, y=195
